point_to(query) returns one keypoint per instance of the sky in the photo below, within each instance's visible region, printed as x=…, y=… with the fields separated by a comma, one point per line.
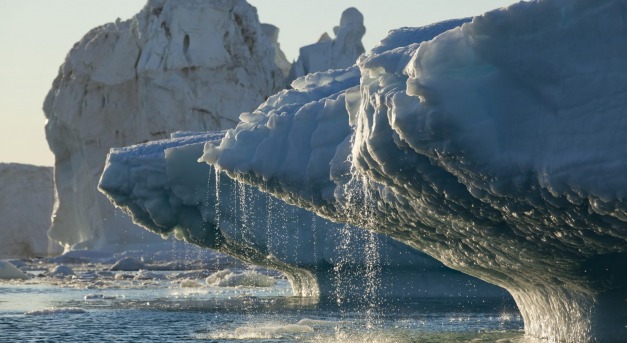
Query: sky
x=35, y=36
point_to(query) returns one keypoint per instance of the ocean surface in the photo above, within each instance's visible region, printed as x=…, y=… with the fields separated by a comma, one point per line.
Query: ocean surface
x=95, y=305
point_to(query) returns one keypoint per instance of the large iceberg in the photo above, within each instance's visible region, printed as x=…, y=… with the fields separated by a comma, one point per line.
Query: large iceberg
x=496, y=148
x=26, y=198
x=176, y=65
x=165, y=189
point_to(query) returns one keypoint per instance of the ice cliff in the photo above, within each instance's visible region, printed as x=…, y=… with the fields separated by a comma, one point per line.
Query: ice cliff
x=26, y=198
x=165, y=189
x=339, y=52
x=498, y=148
x=176, y=65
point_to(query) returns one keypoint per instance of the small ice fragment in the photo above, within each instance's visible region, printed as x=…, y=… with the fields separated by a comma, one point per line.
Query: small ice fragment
x=62, y=271
x=187, y=283
x=9, y=271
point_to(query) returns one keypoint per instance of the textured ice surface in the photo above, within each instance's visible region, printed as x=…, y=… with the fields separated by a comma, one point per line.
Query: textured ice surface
x=497, y=147
x=163, y=186
x=176, y=65
x=26, y=198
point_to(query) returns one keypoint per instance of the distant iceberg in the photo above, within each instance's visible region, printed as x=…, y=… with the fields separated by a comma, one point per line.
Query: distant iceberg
x=26, y=199
x=498, y=148
x=176, y=65
x=332, y=53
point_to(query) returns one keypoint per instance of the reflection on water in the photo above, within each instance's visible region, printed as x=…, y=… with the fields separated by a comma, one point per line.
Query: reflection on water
x=169, y=307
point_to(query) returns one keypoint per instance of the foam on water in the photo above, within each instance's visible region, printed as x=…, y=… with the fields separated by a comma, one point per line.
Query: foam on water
x=319, y=322
x=53, y=310
x=267, y=331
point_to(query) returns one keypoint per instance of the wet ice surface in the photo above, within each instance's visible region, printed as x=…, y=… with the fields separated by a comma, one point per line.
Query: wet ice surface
x=95, y=305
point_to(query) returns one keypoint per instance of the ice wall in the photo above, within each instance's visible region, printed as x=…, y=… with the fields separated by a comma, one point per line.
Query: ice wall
x=176, y=65
x=26, y=198
x=497, y=148
x=337, y=53
x=163, y=186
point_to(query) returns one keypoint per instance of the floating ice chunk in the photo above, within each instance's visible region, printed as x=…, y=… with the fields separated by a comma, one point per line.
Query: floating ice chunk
x=61, y=271
x=143, y=274
x=188, y=283
x=8, y=271
x=128, y=264
x=227, y=278
x=123, y=276
x=217, y=276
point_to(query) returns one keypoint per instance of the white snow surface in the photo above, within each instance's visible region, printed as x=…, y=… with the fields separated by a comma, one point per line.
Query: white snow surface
x=339, y=52
x=176, y=65
x=497, y=147
x=26, y=199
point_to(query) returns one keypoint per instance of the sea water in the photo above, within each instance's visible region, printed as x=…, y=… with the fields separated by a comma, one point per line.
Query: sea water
x=95, y=305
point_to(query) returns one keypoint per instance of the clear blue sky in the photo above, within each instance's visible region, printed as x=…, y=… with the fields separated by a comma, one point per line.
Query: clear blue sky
x=35, y=36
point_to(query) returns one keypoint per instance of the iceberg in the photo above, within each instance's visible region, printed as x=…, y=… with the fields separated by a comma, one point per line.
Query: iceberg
x=10, y=272
x=26, y=198
x=166, y=190
x=163, y=187
x=176, y=65
x=339, y=52
x=497, y=147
